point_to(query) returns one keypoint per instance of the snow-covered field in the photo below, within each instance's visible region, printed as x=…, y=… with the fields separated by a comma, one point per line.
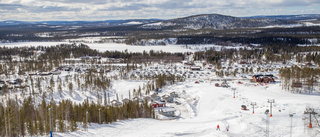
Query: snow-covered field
x=28, y=44
x=130, y=48
x=216, y=105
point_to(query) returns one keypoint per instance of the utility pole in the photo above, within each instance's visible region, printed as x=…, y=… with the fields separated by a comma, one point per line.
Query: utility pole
x=50, y=122
x=87, y=119
x=99, y=116
x=291, y=115
x=5, y=122
x=253, y=104
x=267, y=122
x=310, y=111
x=270, y=101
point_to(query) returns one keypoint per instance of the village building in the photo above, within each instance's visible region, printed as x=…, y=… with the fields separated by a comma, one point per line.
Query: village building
x=167, y=111
x=157, y=104
x=194, y=68
x=116, y=103
x=263, y=78
x=125, y=101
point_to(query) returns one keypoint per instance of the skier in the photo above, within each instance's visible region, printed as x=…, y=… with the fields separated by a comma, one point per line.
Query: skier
x=218, y=127
x=227, y=127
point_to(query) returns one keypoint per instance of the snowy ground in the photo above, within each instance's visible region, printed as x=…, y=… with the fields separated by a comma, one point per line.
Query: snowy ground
x=216, y=105
x=130, y=48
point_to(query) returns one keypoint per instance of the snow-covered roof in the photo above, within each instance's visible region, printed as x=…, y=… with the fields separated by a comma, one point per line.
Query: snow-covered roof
x=159, y=102
x=167, y=109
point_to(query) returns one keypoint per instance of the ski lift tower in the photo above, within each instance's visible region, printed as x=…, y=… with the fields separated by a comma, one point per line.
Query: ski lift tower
x=310, y=111
x=234, y=92
x=267, y=122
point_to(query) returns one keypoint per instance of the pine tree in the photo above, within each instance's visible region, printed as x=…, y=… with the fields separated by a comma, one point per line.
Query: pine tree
x=52, y=84
x=70, y=87
x=30, y=126
x=61, y=126
x=22, y=122
x=41, y=126
x=84, y=123
x=60, y=89
x=73, y=125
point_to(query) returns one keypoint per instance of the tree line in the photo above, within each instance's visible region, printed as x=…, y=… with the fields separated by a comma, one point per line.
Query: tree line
x=30, y=119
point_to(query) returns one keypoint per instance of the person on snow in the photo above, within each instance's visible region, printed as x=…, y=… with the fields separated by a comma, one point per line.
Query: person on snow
x=227, y=127
x=218, y=127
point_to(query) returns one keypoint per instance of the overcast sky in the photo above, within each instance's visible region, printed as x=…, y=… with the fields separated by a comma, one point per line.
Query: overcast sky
x=49, y=10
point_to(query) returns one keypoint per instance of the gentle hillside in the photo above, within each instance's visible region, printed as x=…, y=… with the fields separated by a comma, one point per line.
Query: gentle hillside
x=216, y=21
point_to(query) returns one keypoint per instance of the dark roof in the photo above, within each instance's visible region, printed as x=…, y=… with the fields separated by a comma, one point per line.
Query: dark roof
x=269, y=75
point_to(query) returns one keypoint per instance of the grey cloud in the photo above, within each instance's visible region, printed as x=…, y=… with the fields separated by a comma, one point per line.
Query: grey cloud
x=10, y=6
x=34, y=9
x=133, y=6
x=95, y=2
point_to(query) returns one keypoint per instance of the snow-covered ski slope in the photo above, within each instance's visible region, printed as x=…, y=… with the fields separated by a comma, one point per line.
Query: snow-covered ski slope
x=216, y=105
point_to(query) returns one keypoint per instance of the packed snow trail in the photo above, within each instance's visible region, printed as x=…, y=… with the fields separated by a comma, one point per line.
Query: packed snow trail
x=216, y=105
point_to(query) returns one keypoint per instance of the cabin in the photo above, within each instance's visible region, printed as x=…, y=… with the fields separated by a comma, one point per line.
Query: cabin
x=147, y=98
x=45, y=73
x=263, y=78
x=174, y=94
x=157, y=104
x=155, y=96
x=195, y=68
x=56, y=72
x=136, y=99
x=296, y=84
x=167, y=98
x=125, y=101
x=116, y=103
x=167, y=111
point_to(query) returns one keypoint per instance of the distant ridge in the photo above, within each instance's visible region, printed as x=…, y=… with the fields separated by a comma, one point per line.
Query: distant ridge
x=216, y=21
x=288, y=17
x=81, y=23
x=203, y=21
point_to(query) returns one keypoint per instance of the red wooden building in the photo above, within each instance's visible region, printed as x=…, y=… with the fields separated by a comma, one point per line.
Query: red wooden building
x=157, y=104
x=263, y=78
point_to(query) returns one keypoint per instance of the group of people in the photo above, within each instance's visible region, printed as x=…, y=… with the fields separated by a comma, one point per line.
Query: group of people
x=218, y=127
